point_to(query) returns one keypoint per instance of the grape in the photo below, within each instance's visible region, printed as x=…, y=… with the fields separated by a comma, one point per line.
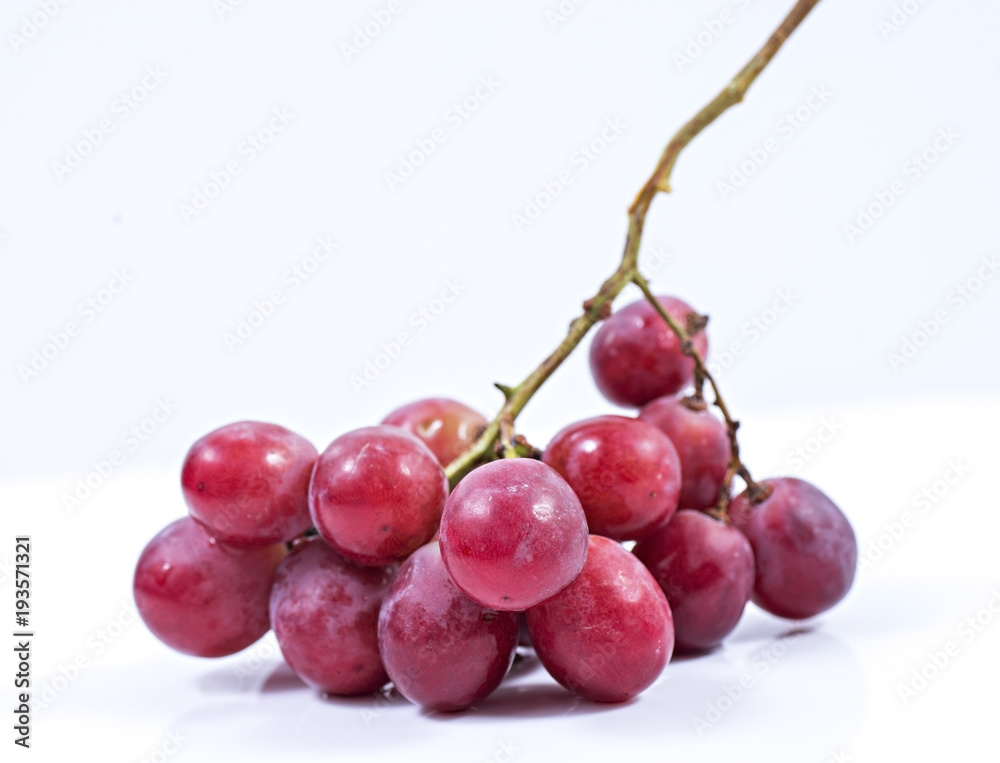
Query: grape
x=805, y=550
x=445, y=426
x=625, y=472
x=706, y=569
x=376, y=495
x=199, y=595
x=247, y=483
x=324, y=611
x=609, y=634
x=513, y=534
x=442, y=650
x=635, y=357
x=702, y=446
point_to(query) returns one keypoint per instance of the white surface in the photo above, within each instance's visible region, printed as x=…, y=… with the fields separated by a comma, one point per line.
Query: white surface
x=160, y=342
x=832, y=691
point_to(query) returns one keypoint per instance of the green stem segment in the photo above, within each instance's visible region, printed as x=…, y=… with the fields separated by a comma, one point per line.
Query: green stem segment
x=598, y=307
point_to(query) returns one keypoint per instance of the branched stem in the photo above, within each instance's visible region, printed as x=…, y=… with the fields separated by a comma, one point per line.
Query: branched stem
x=598, y=307
x=756, y=491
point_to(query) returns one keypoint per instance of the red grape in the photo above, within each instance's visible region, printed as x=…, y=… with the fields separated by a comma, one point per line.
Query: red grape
x=324, y=611
x=442, y=650
x=446, y=426
x=199, y=595
x=702, y=446
x=376, y=495
x=635, y=357
x=705, y=568
x=247, y=483
x=513, y=534
x=609, y=634
x=625, y=472
x=805, y=550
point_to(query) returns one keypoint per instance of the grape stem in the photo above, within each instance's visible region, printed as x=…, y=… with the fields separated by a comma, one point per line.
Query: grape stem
x=755, y=491
x=598, y=307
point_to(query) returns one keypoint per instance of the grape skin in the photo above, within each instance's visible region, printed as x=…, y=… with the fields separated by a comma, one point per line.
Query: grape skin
x=609, y=634
x=442, y=650
x=805, y=550
x=706, y=569
x=324, y=612
x=635, y=357
x=446, y=426
x=625, y=471
x=513, y=533
x=377, y=494
x=200, y=596
x=247, y=482
x=702, y=447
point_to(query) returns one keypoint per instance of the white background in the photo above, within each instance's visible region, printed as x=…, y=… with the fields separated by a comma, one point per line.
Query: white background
x=897, y=426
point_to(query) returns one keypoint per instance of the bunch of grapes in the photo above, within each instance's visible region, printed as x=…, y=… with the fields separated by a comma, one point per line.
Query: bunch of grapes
x=616, y=546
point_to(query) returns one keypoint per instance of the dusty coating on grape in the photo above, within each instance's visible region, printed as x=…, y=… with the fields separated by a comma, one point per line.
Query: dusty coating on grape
x=706, y=569
x=610, y=633
x=324, y=612
x=376, y=495
x=702, y=447
x=805, y=550
x=200, y=596
x=513, y=533
x=442, y=650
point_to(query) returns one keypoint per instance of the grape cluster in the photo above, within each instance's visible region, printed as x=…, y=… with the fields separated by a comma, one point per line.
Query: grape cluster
x=370, y=570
